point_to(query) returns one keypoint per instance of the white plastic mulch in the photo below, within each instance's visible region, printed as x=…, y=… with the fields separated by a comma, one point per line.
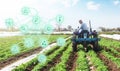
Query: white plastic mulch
x=7, y=34
x=27, y=59
x=114, y=36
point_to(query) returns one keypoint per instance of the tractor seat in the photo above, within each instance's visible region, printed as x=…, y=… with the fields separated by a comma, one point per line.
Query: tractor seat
x=84, y=32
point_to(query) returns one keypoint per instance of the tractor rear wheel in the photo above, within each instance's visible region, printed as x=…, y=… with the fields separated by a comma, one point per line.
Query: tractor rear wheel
x=74, y=46
x=96, y=46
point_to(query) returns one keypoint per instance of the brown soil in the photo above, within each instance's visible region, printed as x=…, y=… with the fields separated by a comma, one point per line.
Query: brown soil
x=118, y=49
x=111, y=66
x=19, y=56
x=71, y=64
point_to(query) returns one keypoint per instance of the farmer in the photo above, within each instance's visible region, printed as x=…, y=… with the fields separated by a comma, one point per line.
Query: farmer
x=78, y=32
x=82, y=27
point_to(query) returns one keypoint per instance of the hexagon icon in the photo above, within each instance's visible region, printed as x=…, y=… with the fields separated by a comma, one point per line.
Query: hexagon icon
x=9, y=22
x=48, y=29
x=36, y=19
x=25, y=10
x=28, y=42
x=24, y=28
x=42, y=58
x=43, y=42
x=15, y=49
x=60, y=41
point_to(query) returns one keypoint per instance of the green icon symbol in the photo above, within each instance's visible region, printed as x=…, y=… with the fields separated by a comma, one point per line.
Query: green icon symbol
x=43, y=42
x=42, y=58
x=60, y=41
x=48, y=29
x=25, y=10
x=36, y=20
x=24, y=29
x=59, y=19
x=15, y=49
x=9, y=22
x=28, y=42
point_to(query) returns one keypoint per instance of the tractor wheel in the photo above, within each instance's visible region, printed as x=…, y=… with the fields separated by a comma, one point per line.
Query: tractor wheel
x=74, y=46
x=96, y=46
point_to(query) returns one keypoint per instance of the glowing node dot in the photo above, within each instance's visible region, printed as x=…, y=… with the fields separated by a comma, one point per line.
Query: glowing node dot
x=9, y=22
x=25, y=10
x=60, y=41
x=28, y=42
x=15, y=49
x=59, y=19
x=48, y=29
x=42, y=58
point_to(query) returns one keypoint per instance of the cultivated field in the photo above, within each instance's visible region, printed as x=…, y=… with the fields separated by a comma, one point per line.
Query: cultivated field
x=61, y=58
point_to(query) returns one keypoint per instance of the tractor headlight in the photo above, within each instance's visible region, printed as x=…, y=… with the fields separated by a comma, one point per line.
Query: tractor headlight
x=85, y=35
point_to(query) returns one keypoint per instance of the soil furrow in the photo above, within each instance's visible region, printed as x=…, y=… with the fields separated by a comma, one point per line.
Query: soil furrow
x=111, y=66
x=71, y=64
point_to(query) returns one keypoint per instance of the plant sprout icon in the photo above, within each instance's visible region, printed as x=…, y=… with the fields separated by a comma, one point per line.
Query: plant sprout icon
x=59, y=19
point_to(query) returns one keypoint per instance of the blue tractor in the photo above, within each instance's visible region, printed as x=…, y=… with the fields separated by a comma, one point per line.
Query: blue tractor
x=85, y=38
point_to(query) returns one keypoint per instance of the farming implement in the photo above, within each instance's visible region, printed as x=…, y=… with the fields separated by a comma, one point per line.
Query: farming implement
x=85, y=38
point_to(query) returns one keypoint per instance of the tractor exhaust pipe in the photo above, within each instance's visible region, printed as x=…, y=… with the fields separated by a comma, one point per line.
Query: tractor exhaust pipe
x=90, y=26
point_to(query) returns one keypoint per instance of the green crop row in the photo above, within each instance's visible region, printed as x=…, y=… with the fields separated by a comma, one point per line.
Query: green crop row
x=50, y=58
x=6, y=43
x=109, y=47
x=35, y=61
x=64, y=58
x=110, y=43
x=82, y=63
x=112, y=58
x=96, y=62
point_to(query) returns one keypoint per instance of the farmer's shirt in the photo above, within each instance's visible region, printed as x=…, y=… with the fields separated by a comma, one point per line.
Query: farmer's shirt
x=83, y=27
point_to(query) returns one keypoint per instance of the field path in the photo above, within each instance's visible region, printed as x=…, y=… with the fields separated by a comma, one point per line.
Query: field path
x=27, y=59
